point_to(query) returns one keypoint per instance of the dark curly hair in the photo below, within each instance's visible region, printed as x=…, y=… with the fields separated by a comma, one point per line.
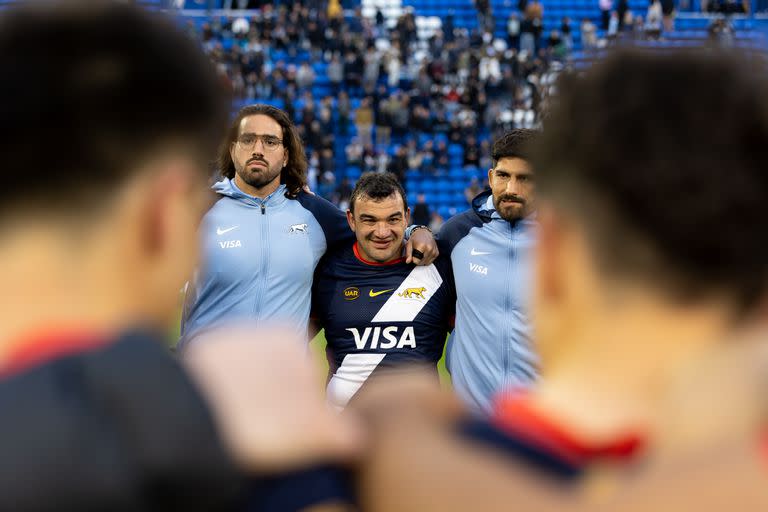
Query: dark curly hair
x=377, y=186
x=294, y=174
x=121, y=82
x=664, y=157
x=514, y=144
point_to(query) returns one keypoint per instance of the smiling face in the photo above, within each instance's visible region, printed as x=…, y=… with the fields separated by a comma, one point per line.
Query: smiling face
x=258, y=155
x=513, y=188
x=379, y=225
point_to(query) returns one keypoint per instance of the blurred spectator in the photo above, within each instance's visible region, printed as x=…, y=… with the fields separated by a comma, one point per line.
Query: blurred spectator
x=720, y=33
x=613, y=26
x=471, y=152
x=334, y=9
x=485, y=155
x=638, y=28
x=428, y=157
x=588, y=34
x=420, y=214
x=343, y=194
x=472, y=190
x=313, y=170
x=384, y=119
x=344, y=110
x=241, y=26
x=653, y=19
x=399, y=163
x=371, y=67
x=354, y=152
x=513, y=31
x=327, y=162
x=335, y=73
x=484, y=14
x=327, y=184
x=556, y=44
x=305, y=76
x=621, y=9
x=530, y=30
x=534, y=10
x=364, y=121
x=606, y=6
x=435, y=222
x=566, y=31
x=668, y=14
x=415, y=156
x=399, y=112
x=442, y=163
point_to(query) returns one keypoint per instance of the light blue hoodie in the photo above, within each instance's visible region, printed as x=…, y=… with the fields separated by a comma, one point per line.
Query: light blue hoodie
x=259, y=257
x=490, y=348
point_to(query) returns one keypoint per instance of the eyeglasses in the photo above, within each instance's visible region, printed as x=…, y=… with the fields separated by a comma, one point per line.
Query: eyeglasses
x=268, y=142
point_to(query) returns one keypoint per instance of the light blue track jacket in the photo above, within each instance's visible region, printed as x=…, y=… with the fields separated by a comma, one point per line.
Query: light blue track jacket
x=259, y=257
x=490, y=347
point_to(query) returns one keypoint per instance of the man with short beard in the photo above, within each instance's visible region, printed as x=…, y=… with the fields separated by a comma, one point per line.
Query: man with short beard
x=489, y=246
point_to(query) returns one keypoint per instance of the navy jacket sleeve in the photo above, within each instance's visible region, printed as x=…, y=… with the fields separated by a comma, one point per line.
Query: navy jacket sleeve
x=332, y=220
x=119, y=429
x=456, y=228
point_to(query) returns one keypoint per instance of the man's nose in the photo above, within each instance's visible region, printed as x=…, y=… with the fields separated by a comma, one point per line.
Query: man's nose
x=513, y=187
x=382, y=230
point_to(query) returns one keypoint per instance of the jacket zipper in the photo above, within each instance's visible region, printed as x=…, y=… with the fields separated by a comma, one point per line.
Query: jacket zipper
x=507, y=331
x=262, y=275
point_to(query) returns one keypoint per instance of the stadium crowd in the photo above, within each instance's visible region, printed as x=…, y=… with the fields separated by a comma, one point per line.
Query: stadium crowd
x=389, y=100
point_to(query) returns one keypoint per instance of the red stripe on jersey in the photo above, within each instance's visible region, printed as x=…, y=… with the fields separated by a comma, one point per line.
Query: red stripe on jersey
x=514, y=413
x=374, y=263
x=44, y=346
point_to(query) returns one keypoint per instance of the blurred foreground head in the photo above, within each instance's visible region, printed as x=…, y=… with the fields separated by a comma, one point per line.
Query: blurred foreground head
x=653, y=190
x=109, y=116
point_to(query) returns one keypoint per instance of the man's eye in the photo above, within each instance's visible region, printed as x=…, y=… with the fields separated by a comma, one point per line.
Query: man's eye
x=271, y=143
x=247, y=140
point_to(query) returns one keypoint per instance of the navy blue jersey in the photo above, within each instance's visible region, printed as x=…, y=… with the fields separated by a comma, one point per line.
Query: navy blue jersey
x=379, y=315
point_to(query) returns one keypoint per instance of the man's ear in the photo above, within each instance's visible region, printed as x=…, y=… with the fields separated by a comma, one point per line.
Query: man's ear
x=407, y=216
x=490, y=177
x=168, y=202
x=351, y=220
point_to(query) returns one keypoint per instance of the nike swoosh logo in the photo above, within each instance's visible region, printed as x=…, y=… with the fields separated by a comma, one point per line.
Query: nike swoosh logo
x=371, y=293
x=220, y=231
x=473, y=252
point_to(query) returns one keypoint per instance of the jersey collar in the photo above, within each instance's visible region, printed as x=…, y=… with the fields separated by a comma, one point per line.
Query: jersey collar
x=515, y=414
x=359, y=256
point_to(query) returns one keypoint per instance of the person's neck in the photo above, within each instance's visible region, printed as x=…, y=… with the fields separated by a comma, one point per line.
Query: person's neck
x=261, y=193
x=617, y=378
x=50, y=284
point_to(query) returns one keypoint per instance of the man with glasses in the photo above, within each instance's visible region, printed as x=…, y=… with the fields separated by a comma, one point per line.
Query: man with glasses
x=264, y=236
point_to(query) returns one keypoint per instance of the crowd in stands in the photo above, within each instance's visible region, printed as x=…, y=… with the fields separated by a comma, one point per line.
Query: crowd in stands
x=368, y=94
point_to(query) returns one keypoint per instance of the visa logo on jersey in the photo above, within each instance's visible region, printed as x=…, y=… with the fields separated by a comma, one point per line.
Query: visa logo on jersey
x=230, y=244
x=391, y=337
x=480, y=269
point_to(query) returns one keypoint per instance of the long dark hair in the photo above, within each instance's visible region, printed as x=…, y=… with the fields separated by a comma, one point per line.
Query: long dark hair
x=294, y=174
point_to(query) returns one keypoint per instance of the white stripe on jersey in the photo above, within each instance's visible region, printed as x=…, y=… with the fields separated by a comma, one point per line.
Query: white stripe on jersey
x=400, y=308
x=350, y=376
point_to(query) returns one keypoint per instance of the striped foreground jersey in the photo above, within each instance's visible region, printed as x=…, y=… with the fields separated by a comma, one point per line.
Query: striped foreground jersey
x=379, y=315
